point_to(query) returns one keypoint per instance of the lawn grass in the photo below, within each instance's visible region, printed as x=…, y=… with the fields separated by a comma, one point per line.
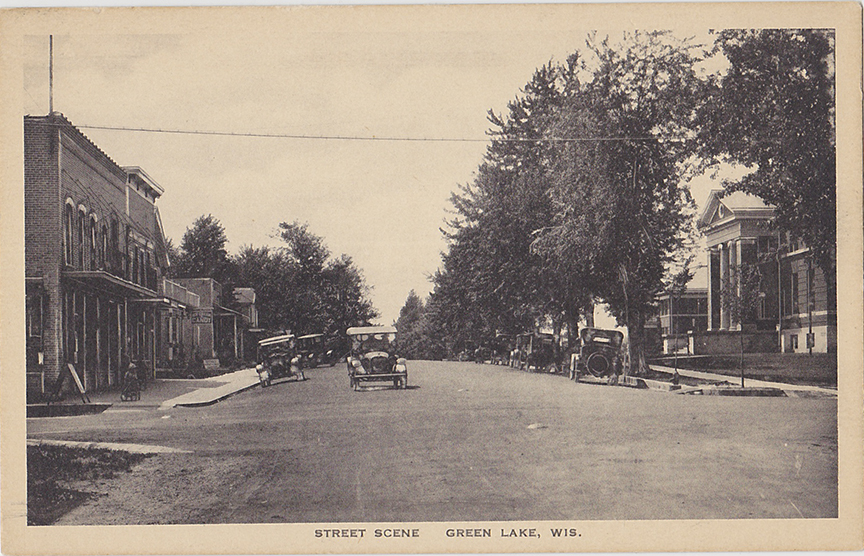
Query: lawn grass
x=55, y=475
x=818, y=369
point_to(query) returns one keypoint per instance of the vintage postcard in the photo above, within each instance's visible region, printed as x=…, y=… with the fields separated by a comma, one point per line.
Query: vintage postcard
x=513, y=278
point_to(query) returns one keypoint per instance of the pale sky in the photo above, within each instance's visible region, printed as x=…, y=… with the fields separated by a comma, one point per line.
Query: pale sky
x=381, y=202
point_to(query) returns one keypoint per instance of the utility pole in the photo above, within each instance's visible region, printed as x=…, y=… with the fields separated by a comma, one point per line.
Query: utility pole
x=810, y=338
x=50, y=74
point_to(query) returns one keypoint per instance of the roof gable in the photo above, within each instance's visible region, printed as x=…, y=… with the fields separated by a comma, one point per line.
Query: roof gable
x=727, y=206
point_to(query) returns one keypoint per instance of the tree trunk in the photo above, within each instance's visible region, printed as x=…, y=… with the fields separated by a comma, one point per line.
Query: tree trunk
x=636, y=333
x=589, y=315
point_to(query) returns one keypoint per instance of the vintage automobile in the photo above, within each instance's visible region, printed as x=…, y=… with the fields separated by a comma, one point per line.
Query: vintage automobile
x=535, y=352
x=502, y=345
x=373, y=357
x=601, y=354
x=316, y=350
x=277, y=358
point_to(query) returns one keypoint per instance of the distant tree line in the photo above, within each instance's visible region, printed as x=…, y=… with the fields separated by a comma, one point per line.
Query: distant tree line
x=298, y=285
x=582, y=198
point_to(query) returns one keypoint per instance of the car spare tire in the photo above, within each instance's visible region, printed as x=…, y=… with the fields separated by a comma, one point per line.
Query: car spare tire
x=598, y=364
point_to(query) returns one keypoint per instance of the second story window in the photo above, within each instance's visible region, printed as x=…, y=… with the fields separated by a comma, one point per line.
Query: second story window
x=115, y=245
x=68, y=235
x=82, y=240
x=103, y=246
x=794, y=289
x=133, y=264
x=94, y=243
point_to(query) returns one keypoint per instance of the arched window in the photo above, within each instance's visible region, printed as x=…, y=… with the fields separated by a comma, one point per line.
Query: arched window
x=103, y=246
x=82, y=238
x=68, y=233
x=133, y=266
x=93, y=231
x=115, y=246
x=127, y=260
x=150, y=276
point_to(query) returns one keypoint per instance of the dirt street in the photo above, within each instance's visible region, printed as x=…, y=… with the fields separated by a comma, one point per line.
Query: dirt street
x=465, y=442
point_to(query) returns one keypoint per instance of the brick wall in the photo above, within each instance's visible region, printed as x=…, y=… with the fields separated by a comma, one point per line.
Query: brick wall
x=42, y=230
x=60, y=163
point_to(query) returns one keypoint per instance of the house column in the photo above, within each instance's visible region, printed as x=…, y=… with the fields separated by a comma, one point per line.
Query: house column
x=735, y=277
x=724, y=282
x=710, y=289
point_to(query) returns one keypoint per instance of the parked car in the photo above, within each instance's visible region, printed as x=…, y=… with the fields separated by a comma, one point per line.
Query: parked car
x=373, y=357
x=313, y=351
x=535, y=352
x=502, y=345
x=601, y=354
x=277, y=358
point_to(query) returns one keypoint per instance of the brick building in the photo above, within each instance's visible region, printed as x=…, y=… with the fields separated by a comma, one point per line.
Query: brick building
x=95, y=257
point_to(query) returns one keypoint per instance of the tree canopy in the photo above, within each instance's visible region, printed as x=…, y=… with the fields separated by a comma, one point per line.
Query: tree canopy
x=202, y=251
x=298, y=285
x=773, y=110
x=579, y=196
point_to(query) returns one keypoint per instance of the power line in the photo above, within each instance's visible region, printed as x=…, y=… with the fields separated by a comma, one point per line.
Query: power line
x=374, y=137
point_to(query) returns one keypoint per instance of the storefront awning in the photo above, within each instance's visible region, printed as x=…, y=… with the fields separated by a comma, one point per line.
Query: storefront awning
x=160, y=302
x=221, y=311
x=109, y=283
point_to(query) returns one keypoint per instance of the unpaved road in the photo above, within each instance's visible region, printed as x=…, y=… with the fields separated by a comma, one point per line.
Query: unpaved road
x=465, y=442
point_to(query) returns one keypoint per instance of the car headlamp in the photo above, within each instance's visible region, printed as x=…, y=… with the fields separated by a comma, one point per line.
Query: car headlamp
x=355, y=363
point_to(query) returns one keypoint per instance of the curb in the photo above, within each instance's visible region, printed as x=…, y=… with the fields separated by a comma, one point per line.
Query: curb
x=791, y=390
x=649, y=384
x=210, y=401
x=131, y=448
x=755, y=391
x=65, y=410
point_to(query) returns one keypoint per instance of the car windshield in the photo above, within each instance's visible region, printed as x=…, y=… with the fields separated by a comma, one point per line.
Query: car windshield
x=279, y=349
x=609, y=337
x=373, y=342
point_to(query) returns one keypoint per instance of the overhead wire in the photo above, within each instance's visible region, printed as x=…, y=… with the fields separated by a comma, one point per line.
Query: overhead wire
x=492, y=136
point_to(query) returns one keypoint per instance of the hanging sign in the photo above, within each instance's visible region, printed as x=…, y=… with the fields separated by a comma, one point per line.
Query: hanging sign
x=202, y=317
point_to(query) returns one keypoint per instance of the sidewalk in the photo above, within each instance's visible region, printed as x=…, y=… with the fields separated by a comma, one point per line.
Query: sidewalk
x=166, y=393
x=217, y=389
x=792, y=390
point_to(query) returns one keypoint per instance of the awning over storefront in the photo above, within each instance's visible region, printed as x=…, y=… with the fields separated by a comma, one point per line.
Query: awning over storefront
x=160, y=302
x=109, y=283
x=221, y=311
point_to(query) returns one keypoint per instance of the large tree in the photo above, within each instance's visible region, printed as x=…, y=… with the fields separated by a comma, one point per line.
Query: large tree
x=322, y=294
x=345, y=296
x=622, y=213
x=271, y=274
x=202, y=252
x=773, y=110
x=410, y=326
x=492, y=280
